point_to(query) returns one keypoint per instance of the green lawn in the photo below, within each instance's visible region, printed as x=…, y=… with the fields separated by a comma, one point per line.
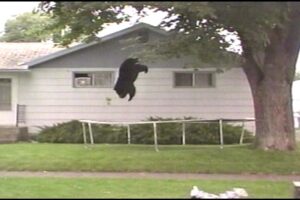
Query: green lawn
x=173, y=158
x=132, y=188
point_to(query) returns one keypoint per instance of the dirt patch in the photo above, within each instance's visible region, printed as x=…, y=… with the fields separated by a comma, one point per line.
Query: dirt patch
x=144, y=175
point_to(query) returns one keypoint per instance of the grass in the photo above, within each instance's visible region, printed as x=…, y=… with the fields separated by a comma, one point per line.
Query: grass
x=137, y=158
x=172, y=158
x=132, y=188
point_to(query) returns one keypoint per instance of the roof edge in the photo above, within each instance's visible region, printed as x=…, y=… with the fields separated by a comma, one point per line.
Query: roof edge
x=22, y=68
x=102, y=39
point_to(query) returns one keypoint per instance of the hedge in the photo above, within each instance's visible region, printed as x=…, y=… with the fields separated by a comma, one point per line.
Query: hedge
x=168, y=133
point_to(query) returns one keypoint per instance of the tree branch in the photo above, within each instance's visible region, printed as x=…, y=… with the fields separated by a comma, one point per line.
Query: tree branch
x=251, y=66
x=292, y=41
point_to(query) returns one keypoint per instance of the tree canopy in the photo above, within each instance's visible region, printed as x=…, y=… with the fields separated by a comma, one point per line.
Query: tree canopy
x=27, y=27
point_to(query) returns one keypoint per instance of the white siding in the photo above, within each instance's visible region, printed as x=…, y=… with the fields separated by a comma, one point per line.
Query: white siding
x=48, y=93
x=49, y=97
x=8, y=117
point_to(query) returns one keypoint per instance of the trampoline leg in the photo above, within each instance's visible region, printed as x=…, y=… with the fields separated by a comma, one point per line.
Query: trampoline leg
x=84, y=133
x=155, y=137
x=128, y=134
x=91, y=133
x=221, y=133
x=242, y=134
x=183, y=133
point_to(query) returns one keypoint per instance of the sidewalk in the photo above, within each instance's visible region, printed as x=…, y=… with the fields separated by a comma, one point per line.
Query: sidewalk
x=143, y=175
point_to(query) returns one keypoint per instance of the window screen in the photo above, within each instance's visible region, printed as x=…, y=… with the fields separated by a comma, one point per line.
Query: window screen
x=194, y=79
x=203, y=80
x=103, y=79
x=5, y=94
x=183, y=79
x=93, y=79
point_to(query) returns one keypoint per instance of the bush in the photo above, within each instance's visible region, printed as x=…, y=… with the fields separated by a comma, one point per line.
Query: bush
x=168, y=133
x=69, y=132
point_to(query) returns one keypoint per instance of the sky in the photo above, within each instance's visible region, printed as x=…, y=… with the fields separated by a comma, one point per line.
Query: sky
x=9, y=9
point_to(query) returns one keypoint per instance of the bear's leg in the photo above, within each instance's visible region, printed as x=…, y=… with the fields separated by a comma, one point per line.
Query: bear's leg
x=131, y=92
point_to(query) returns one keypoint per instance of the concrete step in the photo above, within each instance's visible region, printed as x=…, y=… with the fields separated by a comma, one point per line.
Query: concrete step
x=10, y=134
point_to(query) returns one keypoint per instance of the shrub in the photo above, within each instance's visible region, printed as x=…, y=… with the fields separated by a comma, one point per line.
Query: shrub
x=68, y=132
x=71, y=132
x=168, y=133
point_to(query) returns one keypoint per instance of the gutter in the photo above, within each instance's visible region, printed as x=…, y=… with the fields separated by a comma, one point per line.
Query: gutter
x=20, y=68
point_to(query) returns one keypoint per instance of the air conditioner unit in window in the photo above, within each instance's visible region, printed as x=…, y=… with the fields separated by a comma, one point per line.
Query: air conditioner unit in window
x=83, y=82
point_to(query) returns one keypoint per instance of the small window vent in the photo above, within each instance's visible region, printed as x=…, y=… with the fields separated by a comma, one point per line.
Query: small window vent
x=143, y=36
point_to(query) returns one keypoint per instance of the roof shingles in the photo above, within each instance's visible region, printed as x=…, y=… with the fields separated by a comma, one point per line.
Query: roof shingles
x=12, y=55
x=18, y=56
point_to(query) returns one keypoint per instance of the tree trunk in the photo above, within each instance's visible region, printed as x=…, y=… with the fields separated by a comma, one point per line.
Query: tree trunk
x=272, y=97
x=270, y=72
x=273, y=113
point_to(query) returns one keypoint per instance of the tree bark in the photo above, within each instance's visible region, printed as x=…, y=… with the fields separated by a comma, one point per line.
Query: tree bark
x=272, y=97
x=271, y=81
x=273, y=113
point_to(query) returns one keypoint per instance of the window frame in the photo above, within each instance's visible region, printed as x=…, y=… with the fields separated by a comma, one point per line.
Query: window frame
x=212, y=73
x=113, y=77
x=10, y=96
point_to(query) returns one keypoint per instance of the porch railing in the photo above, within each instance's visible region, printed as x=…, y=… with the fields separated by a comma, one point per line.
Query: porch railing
x=20, y=114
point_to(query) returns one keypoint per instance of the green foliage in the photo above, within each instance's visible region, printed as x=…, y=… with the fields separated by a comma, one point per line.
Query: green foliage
x=81, y=21
x=70, y=132
x=27, y=27
x=198, y=25
x=168, y=133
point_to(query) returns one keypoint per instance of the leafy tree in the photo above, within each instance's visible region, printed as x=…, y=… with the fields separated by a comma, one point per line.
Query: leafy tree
x=269, y=35
x=27, y=27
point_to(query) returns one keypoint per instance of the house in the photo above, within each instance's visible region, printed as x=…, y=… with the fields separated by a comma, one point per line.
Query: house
x=296, y=103
x=297, y=120
x=42, y=85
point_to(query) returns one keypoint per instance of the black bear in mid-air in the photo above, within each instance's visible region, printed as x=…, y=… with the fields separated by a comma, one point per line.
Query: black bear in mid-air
x=128, y=73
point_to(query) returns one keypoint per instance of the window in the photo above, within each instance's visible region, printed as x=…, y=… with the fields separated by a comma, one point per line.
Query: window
x=194, y=79
x=103, y=79
x=5, y=94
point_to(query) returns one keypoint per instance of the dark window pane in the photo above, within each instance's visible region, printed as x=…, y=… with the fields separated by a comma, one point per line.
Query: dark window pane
x=183, y=79
x=203, y=80
x=5, y=94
